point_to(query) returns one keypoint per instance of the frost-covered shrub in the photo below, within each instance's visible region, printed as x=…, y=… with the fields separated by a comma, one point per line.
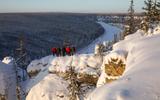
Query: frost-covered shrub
x=99, y=49
x=86, y=78
x=144, y=25
x=157, y=30
x=81, y=77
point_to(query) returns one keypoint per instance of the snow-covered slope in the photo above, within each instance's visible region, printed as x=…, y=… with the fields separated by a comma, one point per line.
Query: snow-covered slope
x=140, y=80
x=107, y=36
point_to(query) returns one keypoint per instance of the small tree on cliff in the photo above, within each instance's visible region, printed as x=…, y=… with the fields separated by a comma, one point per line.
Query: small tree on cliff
x=152, y=10
x=130, y=28
x=148, y=9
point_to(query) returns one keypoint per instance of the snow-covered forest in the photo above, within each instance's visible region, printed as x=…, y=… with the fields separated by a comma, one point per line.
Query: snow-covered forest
x=116, y=57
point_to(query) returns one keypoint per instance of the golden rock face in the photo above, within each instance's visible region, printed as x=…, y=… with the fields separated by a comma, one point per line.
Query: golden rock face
x=114, y=68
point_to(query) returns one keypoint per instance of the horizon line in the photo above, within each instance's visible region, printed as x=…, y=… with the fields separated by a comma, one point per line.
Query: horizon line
x=67, y=12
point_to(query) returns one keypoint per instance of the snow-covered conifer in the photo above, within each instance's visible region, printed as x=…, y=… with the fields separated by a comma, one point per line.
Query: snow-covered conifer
x=130, y=27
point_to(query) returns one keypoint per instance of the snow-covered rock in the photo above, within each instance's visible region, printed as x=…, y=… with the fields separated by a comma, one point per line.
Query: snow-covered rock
x=51, y=87
x=37, y=65
x=84, y=63
x=86, y=66
x=8, y=60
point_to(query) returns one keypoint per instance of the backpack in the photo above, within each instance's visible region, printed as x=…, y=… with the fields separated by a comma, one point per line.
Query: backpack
x=54, y=50
x=68, y=49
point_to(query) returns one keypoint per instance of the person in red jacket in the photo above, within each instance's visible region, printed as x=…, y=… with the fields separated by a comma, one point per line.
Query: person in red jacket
x=54, y=51
x=68, y=51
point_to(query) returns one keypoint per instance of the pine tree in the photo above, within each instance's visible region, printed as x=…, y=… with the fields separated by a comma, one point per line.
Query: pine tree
x=131, y=18
x=148, y=10
x=155, y=11
x=158, y=9
x=21, y=55
x=158, y=5
x=130, y=28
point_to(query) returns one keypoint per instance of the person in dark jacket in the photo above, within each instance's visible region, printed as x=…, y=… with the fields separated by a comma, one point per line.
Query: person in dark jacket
x=54, y=51
x=73, y=50
x=63, y=51
x=58, y=52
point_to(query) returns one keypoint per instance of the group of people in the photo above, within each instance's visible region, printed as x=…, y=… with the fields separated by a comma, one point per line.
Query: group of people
x=63, y=51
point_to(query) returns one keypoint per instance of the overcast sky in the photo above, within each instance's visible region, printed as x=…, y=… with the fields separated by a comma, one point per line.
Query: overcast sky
x=93, y=6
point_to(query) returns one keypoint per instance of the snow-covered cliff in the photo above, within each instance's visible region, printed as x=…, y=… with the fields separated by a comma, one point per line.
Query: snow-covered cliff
x=140, y=80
